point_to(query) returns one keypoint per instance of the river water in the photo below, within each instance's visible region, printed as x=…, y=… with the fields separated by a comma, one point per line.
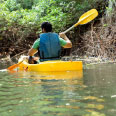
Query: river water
x=91, y=92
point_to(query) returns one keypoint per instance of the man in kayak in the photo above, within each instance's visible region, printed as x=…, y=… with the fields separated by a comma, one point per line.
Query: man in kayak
x=48, y=45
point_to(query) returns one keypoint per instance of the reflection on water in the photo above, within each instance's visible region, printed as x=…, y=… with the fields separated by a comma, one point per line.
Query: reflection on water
x=76, y=93
x=52, y=75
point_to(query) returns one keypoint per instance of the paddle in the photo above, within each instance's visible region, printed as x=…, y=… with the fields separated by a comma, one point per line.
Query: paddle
x=14, y=66
x=85, y=18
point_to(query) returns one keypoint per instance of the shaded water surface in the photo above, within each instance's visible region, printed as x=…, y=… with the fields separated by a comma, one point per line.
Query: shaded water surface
x=88, y=93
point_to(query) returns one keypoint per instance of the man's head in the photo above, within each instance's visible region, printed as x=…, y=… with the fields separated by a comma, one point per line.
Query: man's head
x=46, y=27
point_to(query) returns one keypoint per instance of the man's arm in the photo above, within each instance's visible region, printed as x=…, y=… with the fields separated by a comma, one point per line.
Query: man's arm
x=69, y=43
x=32, y=51
x=34, y=48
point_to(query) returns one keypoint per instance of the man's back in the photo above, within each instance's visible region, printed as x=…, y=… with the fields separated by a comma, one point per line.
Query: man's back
x=49, y=46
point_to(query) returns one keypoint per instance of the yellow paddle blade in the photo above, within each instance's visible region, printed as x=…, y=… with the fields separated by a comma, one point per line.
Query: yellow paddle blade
x=87, y=17
x=14, y=66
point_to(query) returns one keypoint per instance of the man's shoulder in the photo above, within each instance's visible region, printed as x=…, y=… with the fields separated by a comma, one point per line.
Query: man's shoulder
x=37, y=40
x=51, y=34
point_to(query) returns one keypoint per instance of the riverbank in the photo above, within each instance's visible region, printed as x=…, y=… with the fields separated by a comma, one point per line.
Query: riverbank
x=94, y=40
x=92, y=43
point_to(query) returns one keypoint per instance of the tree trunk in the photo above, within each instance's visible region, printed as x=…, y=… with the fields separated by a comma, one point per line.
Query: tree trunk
x=111, y=10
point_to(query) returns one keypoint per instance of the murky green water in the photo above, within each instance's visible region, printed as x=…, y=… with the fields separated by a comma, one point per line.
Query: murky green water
x=88, y=93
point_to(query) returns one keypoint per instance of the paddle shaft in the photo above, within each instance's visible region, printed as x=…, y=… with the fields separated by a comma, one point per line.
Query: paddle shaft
x=69, y=29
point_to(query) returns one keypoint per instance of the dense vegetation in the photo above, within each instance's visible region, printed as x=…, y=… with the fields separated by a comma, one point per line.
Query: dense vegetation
x=20, y=21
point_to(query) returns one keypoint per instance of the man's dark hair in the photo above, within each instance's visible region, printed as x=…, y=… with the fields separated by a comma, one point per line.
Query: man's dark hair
x=47, y=26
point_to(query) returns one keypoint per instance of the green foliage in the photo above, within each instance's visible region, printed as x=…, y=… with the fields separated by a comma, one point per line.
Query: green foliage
x=26, y=16
x=12, y=5
x=25, y=4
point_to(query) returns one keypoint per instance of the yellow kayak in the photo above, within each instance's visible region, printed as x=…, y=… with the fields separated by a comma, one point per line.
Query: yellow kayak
x=57, y=65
